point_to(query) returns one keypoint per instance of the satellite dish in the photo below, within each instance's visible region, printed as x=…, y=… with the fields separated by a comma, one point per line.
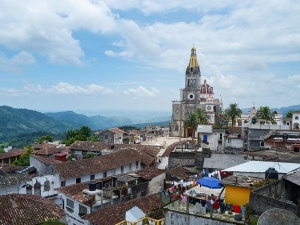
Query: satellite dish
x=278, y=217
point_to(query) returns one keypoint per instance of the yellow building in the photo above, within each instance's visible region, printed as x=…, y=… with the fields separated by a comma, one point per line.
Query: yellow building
x=238, y=189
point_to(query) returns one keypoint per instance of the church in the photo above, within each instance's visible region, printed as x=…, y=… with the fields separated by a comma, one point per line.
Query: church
x=193, y=96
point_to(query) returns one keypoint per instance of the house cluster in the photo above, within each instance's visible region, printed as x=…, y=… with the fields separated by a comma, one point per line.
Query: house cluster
x=225, y=176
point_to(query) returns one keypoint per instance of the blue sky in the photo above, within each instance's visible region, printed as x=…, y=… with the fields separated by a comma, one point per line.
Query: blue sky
x=90, y=56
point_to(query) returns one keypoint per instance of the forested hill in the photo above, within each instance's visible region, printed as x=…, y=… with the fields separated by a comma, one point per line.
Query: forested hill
x=14, y=122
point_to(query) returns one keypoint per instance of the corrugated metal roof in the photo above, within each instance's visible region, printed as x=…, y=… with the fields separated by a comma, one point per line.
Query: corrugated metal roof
x=262, y=166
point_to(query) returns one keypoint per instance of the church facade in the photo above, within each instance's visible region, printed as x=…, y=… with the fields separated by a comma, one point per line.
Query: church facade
x=193, y=96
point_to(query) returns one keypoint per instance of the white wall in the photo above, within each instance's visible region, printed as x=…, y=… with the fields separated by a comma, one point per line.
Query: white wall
x=156, y=184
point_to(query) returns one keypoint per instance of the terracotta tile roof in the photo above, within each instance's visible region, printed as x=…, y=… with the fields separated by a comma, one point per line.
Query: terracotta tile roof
x=75, y=191
x=11, y=168
x=171, y=147
x=82, y=167
x=46, y=160
x=137, y=132
x=148, y=152
x=14, y=178
x=178, y=172
x=235, y=130
x=18, y=209
x=150, y=172
x=90, y=146
x=117, y=130
x=48, y=150
x=104, y=216
x=12, y=153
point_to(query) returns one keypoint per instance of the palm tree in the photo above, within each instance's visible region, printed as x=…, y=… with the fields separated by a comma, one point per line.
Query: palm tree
x=192, y=122
x=232, y=112
x=199, y=116
x=265, y=113
x=203, y=117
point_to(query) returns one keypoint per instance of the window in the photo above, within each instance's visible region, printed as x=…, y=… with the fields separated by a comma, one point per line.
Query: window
x=129, y=166
x=262, y=144
x=229, y=140
x=220, y=135
x=137, y=164
x=78, y=180
x=63, y=183
x=122, y=169
x=70, y=205
x=47, y=185
x=106, y=137
x=296, y=118
x=104, y=174
x=92, y=177
x=82, y=210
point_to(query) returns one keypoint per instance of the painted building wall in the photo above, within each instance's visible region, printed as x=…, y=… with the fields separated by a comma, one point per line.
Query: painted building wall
x=237, y=195
x=156, y=184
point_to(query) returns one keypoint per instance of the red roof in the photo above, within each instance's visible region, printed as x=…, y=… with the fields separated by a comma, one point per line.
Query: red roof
x=24, y=209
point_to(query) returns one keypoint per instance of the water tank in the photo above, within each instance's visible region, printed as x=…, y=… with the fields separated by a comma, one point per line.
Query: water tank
x=271, y=173
x=92, y=185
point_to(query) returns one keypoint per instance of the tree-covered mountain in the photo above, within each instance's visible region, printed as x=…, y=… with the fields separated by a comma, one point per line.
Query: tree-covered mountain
x=14, y=122
x=94, y=122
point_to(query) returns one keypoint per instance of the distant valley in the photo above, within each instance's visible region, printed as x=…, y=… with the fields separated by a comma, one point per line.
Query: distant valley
x=17, y=122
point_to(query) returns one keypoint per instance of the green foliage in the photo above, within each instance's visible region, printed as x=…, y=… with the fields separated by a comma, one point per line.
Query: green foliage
x=89, y=155
x=2, y=150
x=52, y=222
x=265, y=113
x=24, y=159
x=289, y=114
x=83, y=134
x=46, y=138
x=232, y=112
x=199, y=116
x=71, y=157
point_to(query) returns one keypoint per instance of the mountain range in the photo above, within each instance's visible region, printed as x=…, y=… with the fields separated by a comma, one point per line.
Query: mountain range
x=14, y=122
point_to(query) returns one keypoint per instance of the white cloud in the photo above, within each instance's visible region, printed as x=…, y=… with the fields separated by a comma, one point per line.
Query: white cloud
x=68, y=89
x=141, y=91
x=46, y=28
x=16, y=62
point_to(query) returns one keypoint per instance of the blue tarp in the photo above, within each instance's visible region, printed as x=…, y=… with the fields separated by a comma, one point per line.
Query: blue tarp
x=209, y=182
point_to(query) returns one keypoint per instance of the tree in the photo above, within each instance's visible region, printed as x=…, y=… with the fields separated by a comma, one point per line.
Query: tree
x=232, y=112
x=192, y=122
x=86, y=131
x=203, y=117
x=24, y=159
x=289, y=114
x=199, y=116
x=265, y=113
x=45, y=138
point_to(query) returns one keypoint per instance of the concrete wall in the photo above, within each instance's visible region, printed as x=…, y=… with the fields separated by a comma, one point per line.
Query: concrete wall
x=180, y=218
x=181, y=158
x=156, y=184
x=268, y=197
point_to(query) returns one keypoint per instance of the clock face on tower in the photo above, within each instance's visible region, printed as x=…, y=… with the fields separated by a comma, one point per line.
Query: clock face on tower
x=191, y=96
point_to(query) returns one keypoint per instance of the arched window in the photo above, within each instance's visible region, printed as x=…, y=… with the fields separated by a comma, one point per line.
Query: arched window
x=296, y=118
x=37, y=188
x=47, y=185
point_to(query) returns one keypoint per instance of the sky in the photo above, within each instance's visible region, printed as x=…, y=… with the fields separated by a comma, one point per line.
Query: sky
x=88, y=56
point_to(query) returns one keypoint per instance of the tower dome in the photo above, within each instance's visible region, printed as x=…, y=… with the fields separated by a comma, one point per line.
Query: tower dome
x=206, y=88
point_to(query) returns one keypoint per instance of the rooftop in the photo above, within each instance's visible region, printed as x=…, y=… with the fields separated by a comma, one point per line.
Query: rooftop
x=262, y=166
x=104, y=216
x=19, y=209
